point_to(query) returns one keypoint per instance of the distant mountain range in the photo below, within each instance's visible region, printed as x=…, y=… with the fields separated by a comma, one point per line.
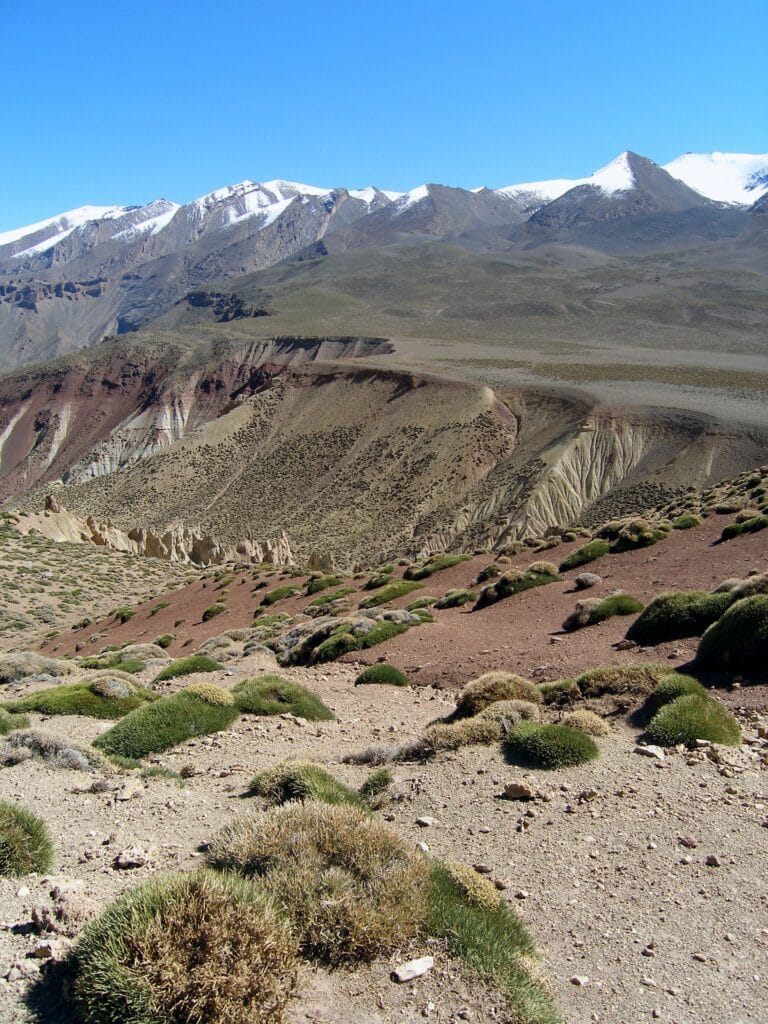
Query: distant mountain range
x=73, y=279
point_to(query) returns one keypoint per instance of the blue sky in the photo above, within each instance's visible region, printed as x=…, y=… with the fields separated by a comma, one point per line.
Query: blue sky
x=122, y=102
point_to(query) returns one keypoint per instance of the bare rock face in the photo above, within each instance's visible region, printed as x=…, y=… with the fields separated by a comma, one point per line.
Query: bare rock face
x=51, y=504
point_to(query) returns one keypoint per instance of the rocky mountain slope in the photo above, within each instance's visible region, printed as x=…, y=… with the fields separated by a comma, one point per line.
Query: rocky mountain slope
x=70, y=280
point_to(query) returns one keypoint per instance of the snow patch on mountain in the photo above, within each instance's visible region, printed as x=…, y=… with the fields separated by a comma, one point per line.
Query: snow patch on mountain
x=63, y=223
x=409, y=199
x=725, y=177
x=616, y=176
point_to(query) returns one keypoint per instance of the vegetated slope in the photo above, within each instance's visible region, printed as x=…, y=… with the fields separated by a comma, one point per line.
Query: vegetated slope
x=363, y=465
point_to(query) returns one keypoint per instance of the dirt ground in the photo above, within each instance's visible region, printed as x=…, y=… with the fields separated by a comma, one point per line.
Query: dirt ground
x=632, y=926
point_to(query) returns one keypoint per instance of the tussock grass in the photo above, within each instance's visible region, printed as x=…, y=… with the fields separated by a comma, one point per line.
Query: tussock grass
x=350, y=887
x=279, y=594
x=548, y=746
x=592, y=610
x=344, y=642
x=330, y=596
x=560, y=693
x=752, y=525
x=677, y=614
x=670, y=688
x=635, y=681
x=376, y=785
x=92, y=699
x=693, y=717
x=511, y=583
x=491, y=687
x=390, y=592
x=25, y=842
x=165, y=723
x=9, y=721
x=587, y=722
x=186, y=666
x=463, y=733
x=492, y=943
x=212, y=611
x=272, y=695
x=114, y=660
x=738, y=641
x=510, y=712
x=318, y=583
x=435, y=563
x=185, y=949
x=586, y=554
x=381, y=672
x=456, y=599
x=686, y=521
x=302, y=780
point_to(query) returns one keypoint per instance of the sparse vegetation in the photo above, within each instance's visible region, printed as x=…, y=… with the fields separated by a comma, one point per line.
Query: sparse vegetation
x=9, y=722
x=738, y=641
x=185, y=948
x=302, y=780
x=351, y=888
x=537, y=745
x=752, y=525
x=212, y=611
x=587, y=722
x=456, y=599
x=390, y=592
x=25, y=842
x=585, y=554
x=165, y=723
x=687, y=521
x=693, y=717
x=186, y=666
x=678, y=614
x=381, y=672
x=511, y=583
x=492, y=687
x=343, y=641
x=94, y=700
x=435, y=563
x=330, y=596
x=279, y=594
x=633, y=681
x=22, y=744
x=318, y=583
x=592, y=610
x=271, y=695
x=491, y=941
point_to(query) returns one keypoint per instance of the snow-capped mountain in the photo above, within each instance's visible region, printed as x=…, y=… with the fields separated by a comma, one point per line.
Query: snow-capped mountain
x=71, y=279
x=726, y=177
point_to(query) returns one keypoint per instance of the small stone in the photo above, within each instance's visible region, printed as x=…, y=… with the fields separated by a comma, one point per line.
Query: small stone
x=483, y=869
x=688, y=841
x=130, y=789
x=425, y=822
x=133, y=857
x=625, y=645
x=23, y=892
x=52, y=949
x=522, y=894
x=700, y=958
x=650, y=751
x=423, y=847
x=712, y=861
x=519, y=791
x=579, y=979
x=413, y=969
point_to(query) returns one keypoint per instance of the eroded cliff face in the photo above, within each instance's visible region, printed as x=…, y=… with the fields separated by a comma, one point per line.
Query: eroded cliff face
x=177, y=544
x=90, y=418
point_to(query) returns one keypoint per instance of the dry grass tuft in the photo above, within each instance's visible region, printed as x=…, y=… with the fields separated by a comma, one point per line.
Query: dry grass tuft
x=350, y=887
x=476, y=889
x=587, y=722
x=211, y=694
x=492, y=687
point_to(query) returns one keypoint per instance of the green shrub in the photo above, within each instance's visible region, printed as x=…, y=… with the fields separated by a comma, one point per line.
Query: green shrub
x=377, y=783
x=344, y=642
x=132, y=665
x=488, y=572
x=548, y=746
x=89, y=699
x=560, y=693
x=351, y=888
x=25, y=842
x=686, y=521
x=675, y=615
x=212, y=611
x=332, y=595
x=588, y=553
x=390, y=592
x=271, y=695
x=420, y=604
x=738, y=641
x=690, y=718
x=670, y=688
x=159, y=607
x=492, y=687
x=435, y=563
x=592, y=610
x=587, y=722
x=379, y=579
x=185, y=949
x=279, y=594
x=752, y=525
x=123, y=614
x=165, y=723
x=186, y=666
x=456, y=598
x=382, y=673
x=301, y=780
x=318, y=583
x=511, y=583
x=492, y=943
x=165, y=640
x=9, y=722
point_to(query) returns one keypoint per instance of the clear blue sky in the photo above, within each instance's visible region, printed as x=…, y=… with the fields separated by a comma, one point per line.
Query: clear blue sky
x=122, y=101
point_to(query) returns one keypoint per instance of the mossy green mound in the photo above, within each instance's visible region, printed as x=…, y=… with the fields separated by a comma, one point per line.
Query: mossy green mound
x=301, y=780
x=10, y=721
x=585, y=554
x=535, y=745
x=679, y=614
x=390, y=592
x=511, y=583
x=187, y=666
x=738, y=641
x=93, y=700
x=272, y=695
x=693, y=717
x=165, y=723
x=382, y=673
x=436, y=563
